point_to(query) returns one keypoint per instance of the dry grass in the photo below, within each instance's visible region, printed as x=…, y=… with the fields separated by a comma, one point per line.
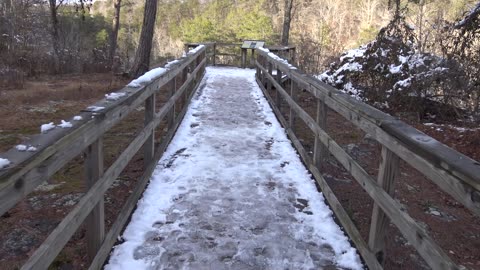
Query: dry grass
x=49, y=99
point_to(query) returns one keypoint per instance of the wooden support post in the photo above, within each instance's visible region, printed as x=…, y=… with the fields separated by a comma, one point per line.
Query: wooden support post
x=214, y=53
x=244, y=57
x=95, y=222
x=320, y=152
x=171, y=115
x=149, y=146
x=278, y=99
x=378, y=228
x=270, y=71
x=252, y=58
x=293, y=94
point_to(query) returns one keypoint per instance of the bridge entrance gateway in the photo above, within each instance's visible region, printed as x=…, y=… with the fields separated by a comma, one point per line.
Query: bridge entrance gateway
x=230, y=185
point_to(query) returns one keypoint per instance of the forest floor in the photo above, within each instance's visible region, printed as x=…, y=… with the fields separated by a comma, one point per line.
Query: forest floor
x=48, y=99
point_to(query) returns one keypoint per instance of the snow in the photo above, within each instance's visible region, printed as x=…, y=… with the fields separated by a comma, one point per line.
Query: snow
x=46, y=127
x=276, y=57
x=359, y=52
x=4, y=163
x=32, y=149
x=230, y=192
x=95, y=108
x=65, y=124
x=147, y=77
x=21, y=147
x=196, y=49
x=77, y=118
x=460, y=129
x=114, y=96
x=395, y=69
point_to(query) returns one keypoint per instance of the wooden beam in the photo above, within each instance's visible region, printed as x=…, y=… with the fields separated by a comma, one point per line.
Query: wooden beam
x=389, y=165
x=320, y=152
x=95, y=222
x=149, y=147
x=293, y=94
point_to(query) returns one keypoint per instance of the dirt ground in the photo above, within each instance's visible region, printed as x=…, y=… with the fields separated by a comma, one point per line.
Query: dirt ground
x=451, y=225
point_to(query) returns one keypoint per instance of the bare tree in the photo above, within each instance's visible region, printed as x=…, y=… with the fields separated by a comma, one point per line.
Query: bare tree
x=287, y=19
x=142, y=57
x=115, y=27
x=54, y=32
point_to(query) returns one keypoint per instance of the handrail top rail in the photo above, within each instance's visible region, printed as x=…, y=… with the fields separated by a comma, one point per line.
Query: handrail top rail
x=49, y=143
x=455, y=163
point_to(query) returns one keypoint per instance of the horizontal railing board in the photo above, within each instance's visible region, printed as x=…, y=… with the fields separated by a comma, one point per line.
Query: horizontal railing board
x=414, y=233
x=21, y=179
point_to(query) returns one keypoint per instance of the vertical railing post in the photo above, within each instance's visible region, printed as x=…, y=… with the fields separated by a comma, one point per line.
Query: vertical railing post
x=149, y=146
x=293, y=94
x=378, y=227
x=244, y=57
x=214, y=52
x=252, y=58
x=95, y=222
x=270, y=71
x=320, y=153
x=278, y=99
x=172, y=85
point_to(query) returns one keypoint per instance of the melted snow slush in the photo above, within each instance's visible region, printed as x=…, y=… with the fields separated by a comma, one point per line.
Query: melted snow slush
x=231, y=193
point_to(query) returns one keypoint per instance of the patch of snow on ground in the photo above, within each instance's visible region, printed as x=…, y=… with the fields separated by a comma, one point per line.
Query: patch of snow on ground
x=114, y=96
x=77, y=118
x=230, y=192
x=65, y=124
x=46, y=127
x=21, y=147
x=4, y=163
x=31, y=149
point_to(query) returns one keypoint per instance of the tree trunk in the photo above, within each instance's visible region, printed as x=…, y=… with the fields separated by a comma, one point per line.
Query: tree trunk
x=54, y=33
x=115, y=27
x=287, y=19
x=142, y=56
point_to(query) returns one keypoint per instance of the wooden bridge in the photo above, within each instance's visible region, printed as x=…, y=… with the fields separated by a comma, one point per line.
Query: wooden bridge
x=454, y=173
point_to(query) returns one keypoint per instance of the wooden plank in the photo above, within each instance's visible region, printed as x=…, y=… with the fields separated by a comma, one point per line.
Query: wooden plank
x=320, y=153
x=30, y=171
x=95, y=222
x=149, y=147
x=332, y=200
x=278, y=100
x=244, y=57
x=54, y=243
x=171, y=115
x=129, y=206
x=389, y=165
x=414, y=233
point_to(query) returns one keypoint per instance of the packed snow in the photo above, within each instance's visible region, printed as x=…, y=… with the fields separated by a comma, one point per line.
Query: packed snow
x=230, y=192
x=21, y=147
x=65, y=124
x=46, y=127
x=77, y=118
x=151, y=75
x=4, y=163
x=114, y=96
x=31, y=149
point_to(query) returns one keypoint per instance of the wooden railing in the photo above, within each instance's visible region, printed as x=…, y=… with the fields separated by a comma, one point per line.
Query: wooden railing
x=59, y=146
x=232, y=54
x=454, y=173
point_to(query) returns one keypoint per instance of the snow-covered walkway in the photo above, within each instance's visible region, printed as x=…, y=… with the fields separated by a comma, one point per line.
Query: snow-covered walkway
x=231, y=193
